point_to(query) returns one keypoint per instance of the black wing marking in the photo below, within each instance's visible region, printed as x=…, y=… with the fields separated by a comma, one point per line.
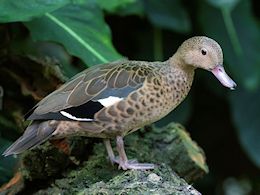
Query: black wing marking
x=84, y=111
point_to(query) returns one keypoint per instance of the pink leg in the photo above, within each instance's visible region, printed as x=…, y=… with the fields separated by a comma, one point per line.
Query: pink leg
x=110, y=151
x=124, y=163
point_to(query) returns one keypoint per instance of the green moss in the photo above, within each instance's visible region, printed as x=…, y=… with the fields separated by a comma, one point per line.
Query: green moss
x=171, y=145
x=47, y=161
x=162, y=180
x=159, y=181
x=169, y=148
x=43, y=162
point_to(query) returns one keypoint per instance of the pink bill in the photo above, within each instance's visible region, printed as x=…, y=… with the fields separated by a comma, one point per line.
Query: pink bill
x=222, y=76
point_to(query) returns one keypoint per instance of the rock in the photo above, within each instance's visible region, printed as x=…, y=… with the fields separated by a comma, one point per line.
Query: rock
x=170, y=148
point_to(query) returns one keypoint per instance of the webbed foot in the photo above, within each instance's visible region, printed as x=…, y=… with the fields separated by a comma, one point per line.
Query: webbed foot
x=122, y=161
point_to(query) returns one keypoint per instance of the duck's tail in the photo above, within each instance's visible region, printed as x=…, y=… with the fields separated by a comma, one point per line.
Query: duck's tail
x=35, y=134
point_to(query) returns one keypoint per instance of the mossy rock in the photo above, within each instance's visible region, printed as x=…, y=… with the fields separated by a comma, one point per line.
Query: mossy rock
x=170, y=148
x=161, y=180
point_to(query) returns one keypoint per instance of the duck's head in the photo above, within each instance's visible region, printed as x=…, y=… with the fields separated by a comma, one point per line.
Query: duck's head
x=203, y=52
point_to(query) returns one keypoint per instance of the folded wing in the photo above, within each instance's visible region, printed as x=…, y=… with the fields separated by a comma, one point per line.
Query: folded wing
x=91, y=90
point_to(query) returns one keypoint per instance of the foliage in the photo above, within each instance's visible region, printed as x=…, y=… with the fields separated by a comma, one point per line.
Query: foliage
x=239, y=34
x=77, y=34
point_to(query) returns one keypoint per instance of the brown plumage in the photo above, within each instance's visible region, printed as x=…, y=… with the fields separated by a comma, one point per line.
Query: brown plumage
x=112, y=100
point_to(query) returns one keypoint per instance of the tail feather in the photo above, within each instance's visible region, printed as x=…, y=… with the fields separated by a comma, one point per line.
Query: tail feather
x=34, y=135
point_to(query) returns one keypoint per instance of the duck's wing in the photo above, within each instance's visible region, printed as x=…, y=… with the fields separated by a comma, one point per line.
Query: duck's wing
x=91, y=90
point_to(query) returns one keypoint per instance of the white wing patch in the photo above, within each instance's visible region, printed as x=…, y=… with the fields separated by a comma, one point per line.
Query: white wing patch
x=106, y=102
x=68, y=115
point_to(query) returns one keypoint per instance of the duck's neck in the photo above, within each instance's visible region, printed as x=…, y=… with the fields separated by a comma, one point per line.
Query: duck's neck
x=177, y=62
x=183, y=73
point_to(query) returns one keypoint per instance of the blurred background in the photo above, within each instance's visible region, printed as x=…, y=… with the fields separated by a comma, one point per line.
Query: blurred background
x=44, y=44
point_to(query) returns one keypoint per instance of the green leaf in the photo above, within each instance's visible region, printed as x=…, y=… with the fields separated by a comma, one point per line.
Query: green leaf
x=25, y=10
x=114, y=5
x=136, y=8
x=122, y=7
x=239, y=35
x=230, y=4
x=168, y=14
x=80, y=29
x=245, y=107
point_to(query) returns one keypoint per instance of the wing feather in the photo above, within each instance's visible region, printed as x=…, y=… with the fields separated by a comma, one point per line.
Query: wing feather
x=54, y=103
x=98, y=82
x=96, y=86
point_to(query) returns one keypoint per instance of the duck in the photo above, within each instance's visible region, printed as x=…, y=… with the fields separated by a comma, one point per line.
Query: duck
x=112, y=100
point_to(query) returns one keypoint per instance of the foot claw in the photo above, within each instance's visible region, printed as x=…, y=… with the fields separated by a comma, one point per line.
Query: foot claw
x=137, y=166
x=132, y=164
x=122, y=159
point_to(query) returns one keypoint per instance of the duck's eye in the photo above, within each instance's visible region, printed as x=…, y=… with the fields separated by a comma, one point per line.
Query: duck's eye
x=204, y=52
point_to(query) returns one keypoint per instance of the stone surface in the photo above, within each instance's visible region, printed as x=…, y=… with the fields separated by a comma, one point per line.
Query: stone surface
x=85, y=169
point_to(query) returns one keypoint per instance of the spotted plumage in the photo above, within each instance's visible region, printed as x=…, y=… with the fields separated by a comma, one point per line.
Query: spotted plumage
x=114, y=99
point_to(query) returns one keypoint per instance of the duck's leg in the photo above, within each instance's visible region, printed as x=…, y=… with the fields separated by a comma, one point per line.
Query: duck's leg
x=113, y=159
x=110, y=151
x=124, y=163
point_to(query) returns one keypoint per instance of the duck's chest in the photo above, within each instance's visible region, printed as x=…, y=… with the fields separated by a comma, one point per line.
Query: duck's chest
x=161, y=93
x=176, y=85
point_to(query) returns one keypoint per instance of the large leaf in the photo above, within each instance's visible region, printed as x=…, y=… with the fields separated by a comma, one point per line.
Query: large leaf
x=246, y=113
x=122, y=7
x=169, y=14
x=114, y=5
x=80, y=29
x=239, y=35
x=230, y=4
x=25, y=10
x=135, y=8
